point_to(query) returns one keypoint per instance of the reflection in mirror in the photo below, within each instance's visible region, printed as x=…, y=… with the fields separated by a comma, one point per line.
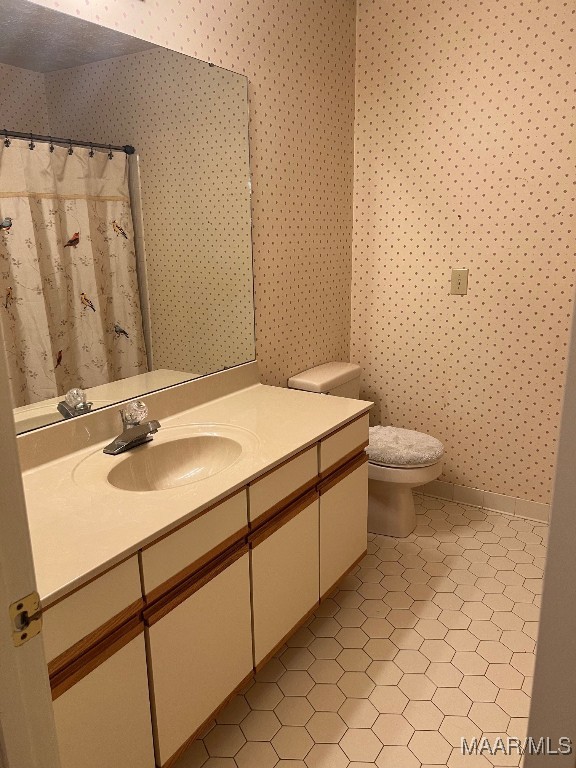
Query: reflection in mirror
x=119, y=273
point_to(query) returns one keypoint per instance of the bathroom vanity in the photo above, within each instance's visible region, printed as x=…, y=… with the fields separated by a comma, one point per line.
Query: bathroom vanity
x=169, y=574
x=159, y=605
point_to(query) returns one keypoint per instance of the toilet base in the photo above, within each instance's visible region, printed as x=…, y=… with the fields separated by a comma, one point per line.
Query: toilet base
x=391, y=510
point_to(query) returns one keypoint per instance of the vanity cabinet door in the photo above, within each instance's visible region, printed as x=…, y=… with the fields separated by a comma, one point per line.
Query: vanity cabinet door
x=200, y=652
x=103, y=717
x=343, y=521
x=285, y=562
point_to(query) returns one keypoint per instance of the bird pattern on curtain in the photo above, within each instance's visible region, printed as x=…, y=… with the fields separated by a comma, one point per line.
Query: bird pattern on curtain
x=70, y=307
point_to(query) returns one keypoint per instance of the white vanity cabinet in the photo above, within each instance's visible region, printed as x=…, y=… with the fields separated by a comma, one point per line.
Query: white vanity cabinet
x=173, y=558
x=94, y=643
x=142, y=657
x=73, y=625
x=343, y=501
x=285, y=562
x=343, y=521
x=275, y=489
x=342, y=445
x=103, y=717
x=200, y=651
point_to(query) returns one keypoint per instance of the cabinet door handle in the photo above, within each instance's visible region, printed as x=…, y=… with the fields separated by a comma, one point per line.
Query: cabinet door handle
x=343, y=472
x=170, y=601
x=277, y=522
x=65, y=678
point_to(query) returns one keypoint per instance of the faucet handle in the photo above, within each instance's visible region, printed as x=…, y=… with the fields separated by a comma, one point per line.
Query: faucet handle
x=74, y=403
x=134, y=413
x=75, y=398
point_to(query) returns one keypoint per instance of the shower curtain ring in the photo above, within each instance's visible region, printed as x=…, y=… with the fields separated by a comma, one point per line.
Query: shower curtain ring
x=91, y=153
x=31, y=145
x=51, y=145
x=7, y=141
x=110, y=155
x=70, y=150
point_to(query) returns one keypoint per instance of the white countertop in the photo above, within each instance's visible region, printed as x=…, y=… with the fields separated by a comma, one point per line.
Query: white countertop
x=80, y=527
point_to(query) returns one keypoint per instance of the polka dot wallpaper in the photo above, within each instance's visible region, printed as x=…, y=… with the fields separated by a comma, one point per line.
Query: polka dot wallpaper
x=24, y=100
x=299, y=60
x=189, y=124
x=464, y=125
x=464, y=115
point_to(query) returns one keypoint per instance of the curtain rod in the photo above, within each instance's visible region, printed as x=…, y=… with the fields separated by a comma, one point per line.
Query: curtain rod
x=32, y=137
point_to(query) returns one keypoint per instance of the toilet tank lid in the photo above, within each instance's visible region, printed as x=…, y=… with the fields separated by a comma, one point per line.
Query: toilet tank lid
x=323, y=378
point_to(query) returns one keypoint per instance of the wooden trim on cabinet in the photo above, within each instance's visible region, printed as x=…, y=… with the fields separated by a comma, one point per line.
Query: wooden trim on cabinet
x=201, y=730
x=357, y=461
x=288, y=635
x=85, y=644
x=179, y=578
x=280, y=505
x=341, y=578
x=344, y=460
x=200, y=514
x=168, y=602
x=64, y=679
x=271, y=526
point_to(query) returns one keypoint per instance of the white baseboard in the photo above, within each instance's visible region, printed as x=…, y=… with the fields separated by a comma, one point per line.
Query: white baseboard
x=475, y=497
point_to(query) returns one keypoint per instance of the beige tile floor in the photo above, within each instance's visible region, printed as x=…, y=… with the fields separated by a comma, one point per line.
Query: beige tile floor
x=430, y=639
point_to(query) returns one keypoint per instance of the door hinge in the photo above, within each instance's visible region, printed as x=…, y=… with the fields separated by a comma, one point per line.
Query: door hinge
x=26, y=618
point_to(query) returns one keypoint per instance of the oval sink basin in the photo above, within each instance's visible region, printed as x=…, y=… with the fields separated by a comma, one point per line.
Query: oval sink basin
x=179, y=457
x=158, y=466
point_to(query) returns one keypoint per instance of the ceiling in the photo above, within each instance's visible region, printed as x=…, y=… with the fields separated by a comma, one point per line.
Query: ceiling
x=44, y=40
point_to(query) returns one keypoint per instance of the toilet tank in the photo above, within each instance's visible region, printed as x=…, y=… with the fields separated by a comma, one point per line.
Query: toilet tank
x=341, y=379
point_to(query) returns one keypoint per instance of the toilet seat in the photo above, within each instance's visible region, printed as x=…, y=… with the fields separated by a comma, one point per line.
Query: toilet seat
x=405, y=449
x=408, y=476
x=401, y=466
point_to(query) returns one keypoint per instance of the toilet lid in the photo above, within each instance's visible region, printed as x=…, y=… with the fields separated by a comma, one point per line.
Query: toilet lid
x=397, y=447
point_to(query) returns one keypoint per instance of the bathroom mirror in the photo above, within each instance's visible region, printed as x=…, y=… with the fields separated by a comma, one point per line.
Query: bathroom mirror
x=119, y=273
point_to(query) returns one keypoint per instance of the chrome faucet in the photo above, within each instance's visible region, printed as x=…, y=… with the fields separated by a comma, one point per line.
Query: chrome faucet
x=74, y=404
x=136, y=430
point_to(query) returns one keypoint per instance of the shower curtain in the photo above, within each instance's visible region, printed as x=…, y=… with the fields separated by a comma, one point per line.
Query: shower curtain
x=69, y=302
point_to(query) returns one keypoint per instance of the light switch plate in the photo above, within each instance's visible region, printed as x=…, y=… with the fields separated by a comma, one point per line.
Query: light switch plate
x=459, y=284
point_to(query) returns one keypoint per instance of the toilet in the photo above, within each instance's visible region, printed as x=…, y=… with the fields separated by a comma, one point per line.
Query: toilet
x=398, y=459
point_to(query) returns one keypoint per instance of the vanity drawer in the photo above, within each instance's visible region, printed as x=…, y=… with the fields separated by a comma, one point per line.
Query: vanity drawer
x=341, y=446
x=282, y=485
x=169, y=561
x=80, y=620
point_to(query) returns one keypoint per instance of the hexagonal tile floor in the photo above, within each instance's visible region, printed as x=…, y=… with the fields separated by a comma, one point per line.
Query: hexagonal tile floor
x=430, y=639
